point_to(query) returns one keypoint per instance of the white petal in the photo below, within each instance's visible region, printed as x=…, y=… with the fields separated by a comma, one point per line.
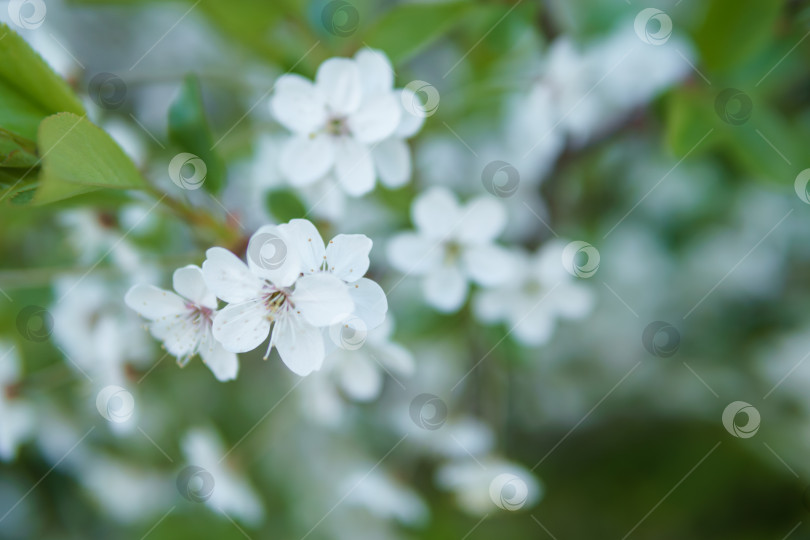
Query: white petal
x=347, y=256
x=354, y=167
x=273, y=255
x=376, y=72
x=413, y=253
x=322, y=299
x=484, y=219
x=179, y=335
x=242, y=327
x=376, y=119
x=306, y=159
x=359, y=376
x=445, y=289
x=392, y=158
x=370, y=302
x=222, y=363
x=409, y=123
x=339, y=80
x=190, y=283
x=299, y=344
x=436, y=213
x=298, y=105
x=488, y=265
x=228, y=277
x=154, y=303
x=307, y=241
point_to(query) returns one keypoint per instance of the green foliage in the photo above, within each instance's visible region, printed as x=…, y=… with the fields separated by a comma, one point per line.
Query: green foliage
x=408, y=28
x=731, y=31
x=189, y=130
x=78, y=157
x=284, y=205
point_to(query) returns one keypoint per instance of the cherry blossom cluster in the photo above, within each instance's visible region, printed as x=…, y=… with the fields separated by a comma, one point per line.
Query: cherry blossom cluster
x=293, y=288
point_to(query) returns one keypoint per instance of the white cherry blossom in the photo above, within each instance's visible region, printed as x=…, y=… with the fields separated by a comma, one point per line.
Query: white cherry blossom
x=452, y=245
x=184, y=321
x=541, y=292
x=281, y=293
x=347, y=124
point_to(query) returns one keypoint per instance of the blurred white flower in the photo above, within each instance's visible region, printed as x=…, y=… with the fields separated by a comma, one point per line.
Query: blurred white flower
x=217, y=484
x=482, y=486
x=16, y=415
x=183, y=321
x=540, y=293
x=287, y=285
x=452, y=245
x=383, y=496
x=349, y=123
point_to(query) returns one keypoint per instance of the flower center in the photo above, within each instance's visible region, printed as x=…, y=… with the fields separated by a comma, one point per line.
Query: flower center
x=337, y=125
x=452, y=252
x=275, y=300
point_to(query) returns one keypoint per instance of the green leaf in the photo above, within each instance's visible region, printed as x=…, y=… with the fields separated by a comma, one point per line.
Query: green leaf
x=24, y=71
x=78, y=157
x=189, y=130
x=285, y=205
x=732, y=31
x=16, y=151
x=408, y=28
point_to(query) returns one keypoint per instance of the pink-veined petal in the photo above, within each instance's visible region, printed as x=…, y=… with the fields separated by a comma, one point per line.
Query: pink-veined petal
x=189, y=282
x=154, y=303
